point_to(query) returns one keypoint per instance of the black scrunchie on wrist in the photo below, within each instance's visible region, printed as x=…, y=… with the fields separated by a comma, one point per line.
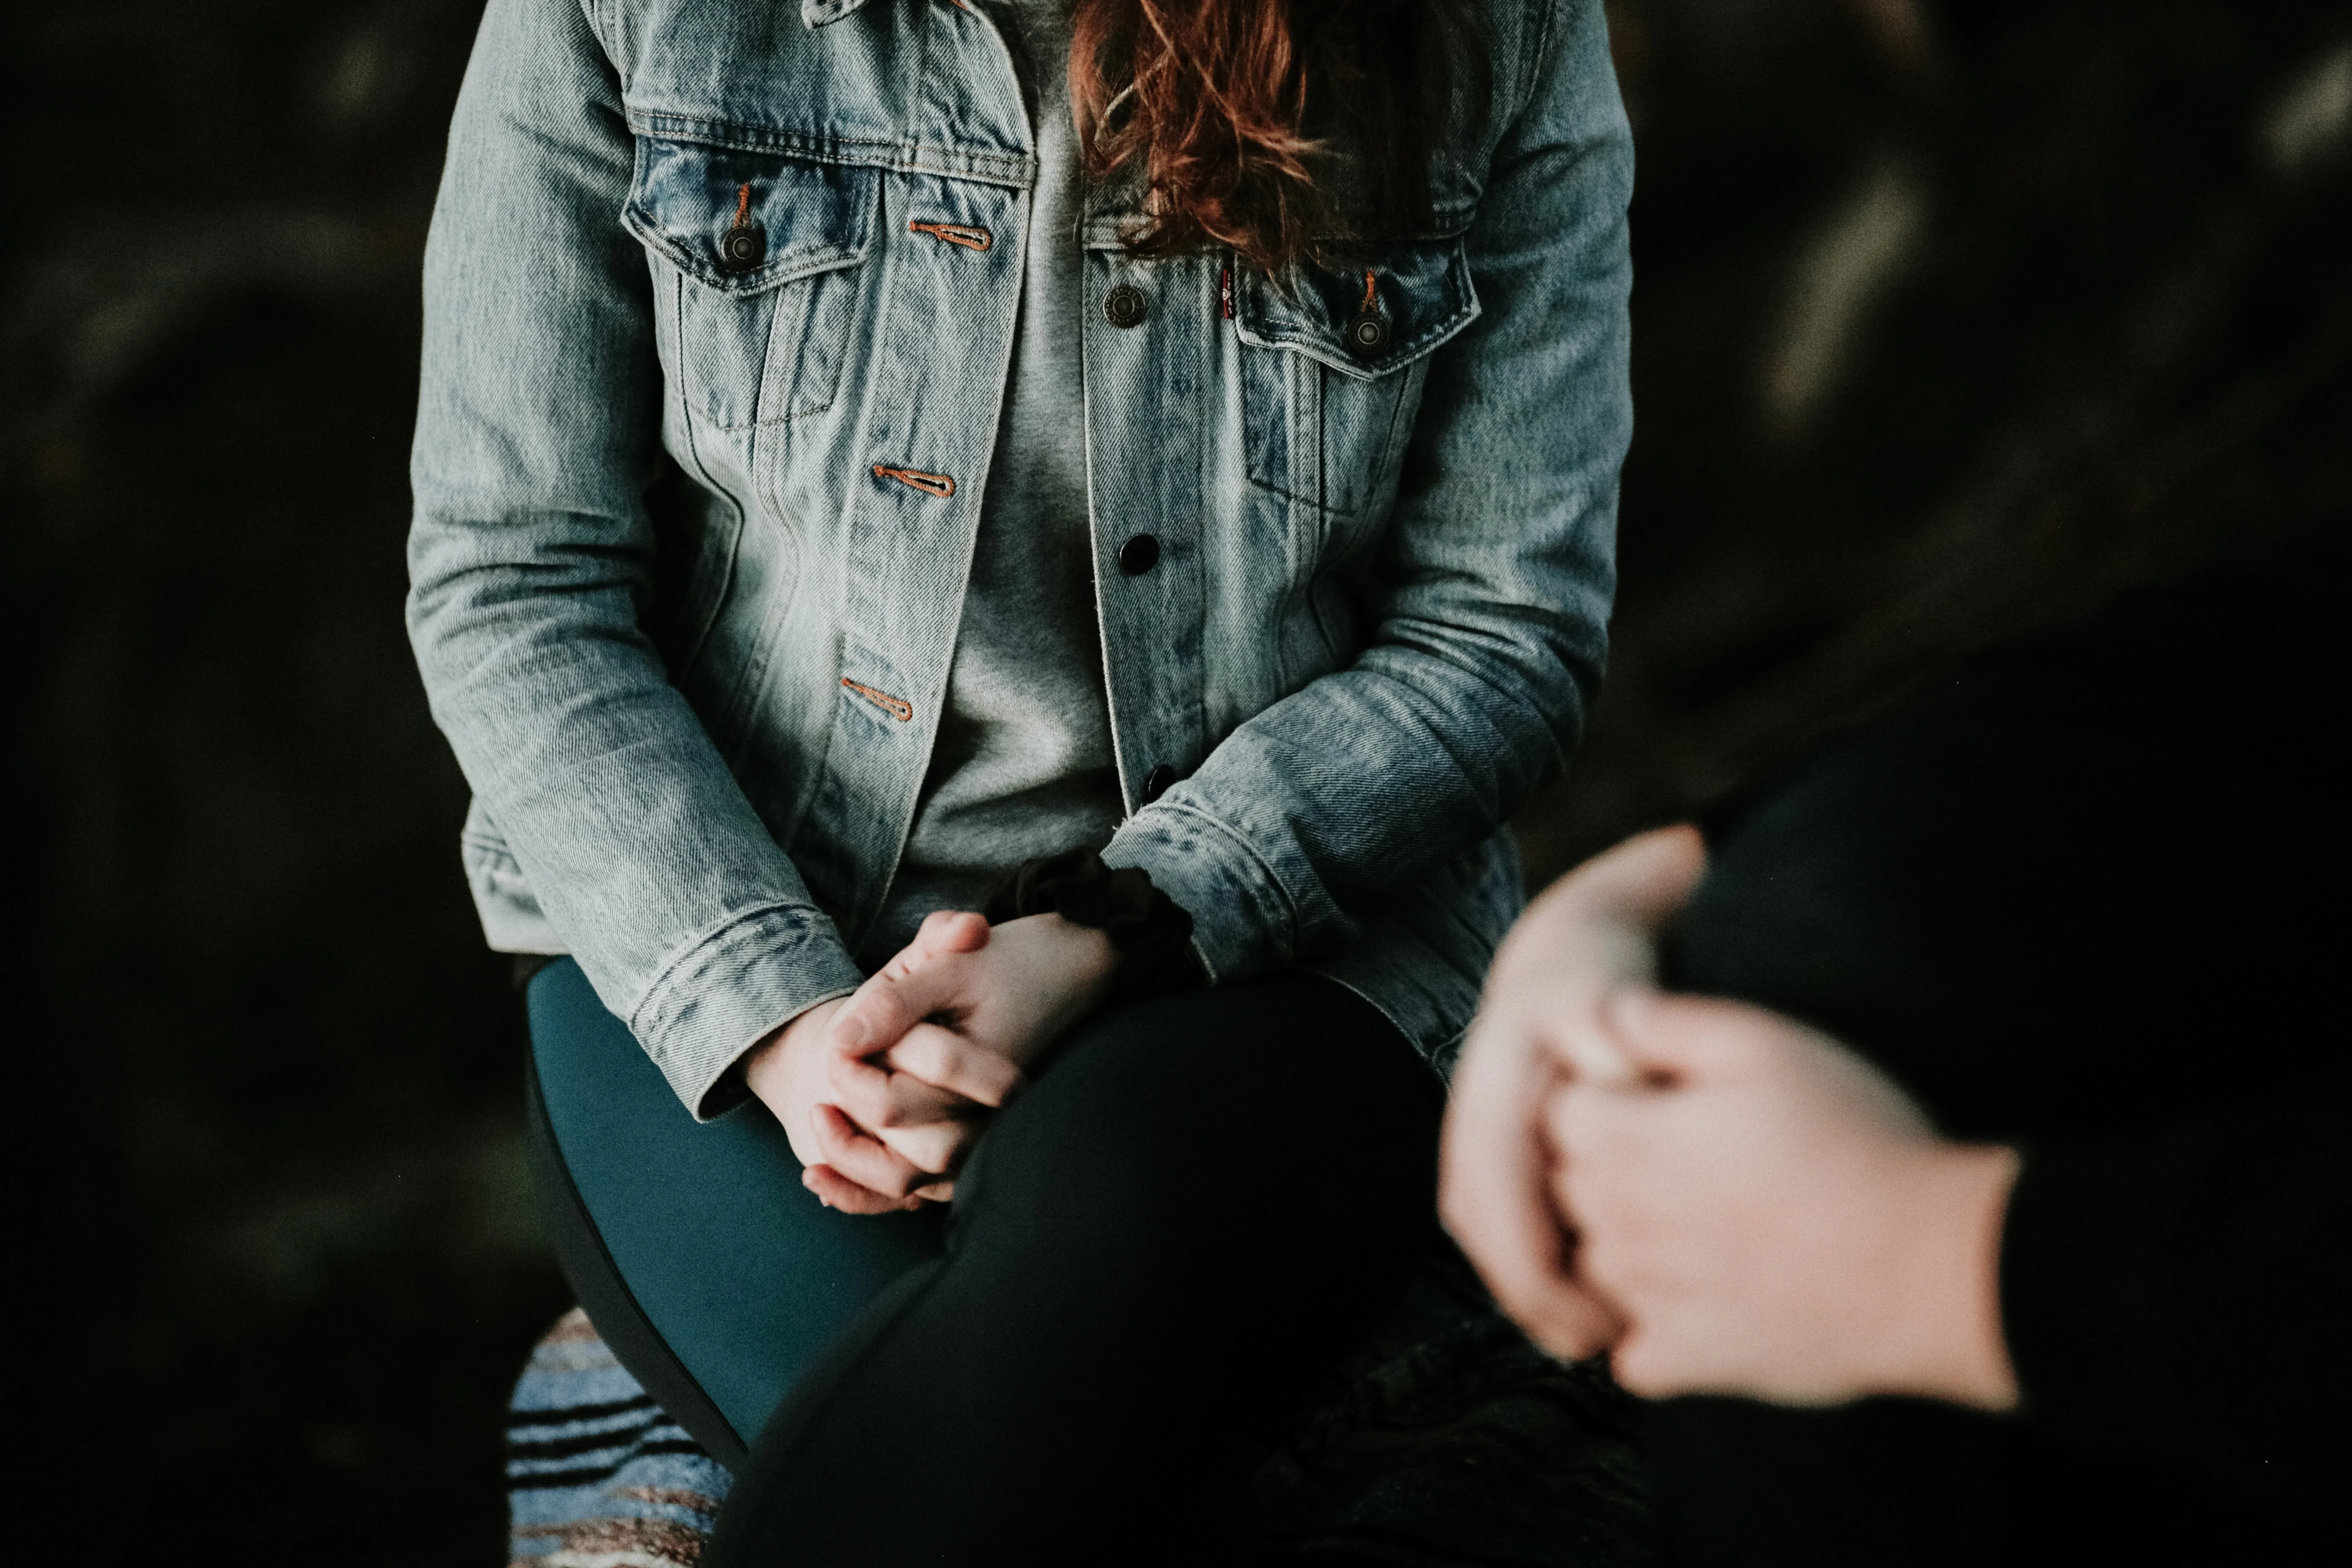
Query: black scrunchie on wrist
x=1151, y=933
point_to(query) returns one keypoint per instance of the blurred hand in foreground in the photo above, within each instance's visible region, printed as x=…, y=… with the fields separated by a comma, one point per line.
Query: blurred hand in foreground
x=1727, y=1201
x=1771, y=1216
x=1593, y=932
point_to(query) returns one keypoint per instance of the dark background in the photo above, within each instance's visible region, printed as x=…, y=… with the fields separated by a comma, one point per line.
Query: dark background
x=1955, y=322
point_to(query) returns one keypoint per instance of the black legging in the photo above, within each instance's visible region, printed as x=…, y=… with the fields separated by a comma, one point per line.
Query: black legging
x=2054, y=936
x=1200, y=1201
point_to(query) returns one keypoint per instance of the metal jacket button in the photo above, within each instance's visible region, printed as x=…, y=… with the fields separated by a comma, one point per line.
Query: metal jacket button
x=1138, y=555
x=1369, y=334
x=743, y=248
x=1124, y=305
x=1156, y=782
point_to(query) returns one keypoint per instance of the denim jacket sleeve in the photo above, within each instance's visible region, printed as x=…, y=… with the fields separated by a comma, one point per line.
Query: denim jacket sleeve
x=1487, y=611
x=531, y=561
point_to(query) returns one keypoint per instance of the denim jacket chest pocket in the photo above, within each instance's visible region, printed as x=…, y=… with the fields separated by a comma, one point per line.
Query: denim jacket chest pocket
x=756, y=259
x=1333, y=364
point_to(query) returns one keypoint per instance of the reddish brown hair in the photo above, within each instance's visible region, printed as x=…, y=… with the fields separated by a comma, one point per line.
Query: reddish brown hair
x=1240, y=113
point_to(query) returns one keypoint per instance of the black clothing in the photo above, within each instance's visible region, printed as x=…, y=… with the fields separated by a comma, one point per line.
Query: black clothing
x=2122, y=956
x=1192, y=1212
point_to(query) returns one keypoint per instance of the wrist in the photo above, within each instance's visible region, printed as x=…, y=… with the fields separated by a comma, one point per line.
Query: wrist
x=1071, y=969
x=765, y=1064
x=1093, y=959
x=1148, y=933
x=1959, y=1351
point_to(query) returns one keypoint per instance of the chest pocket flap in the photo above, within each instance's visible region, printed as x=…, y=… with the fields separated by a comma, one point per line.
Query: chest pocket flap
x=1364, y=320
x=1333, y=362
x=762, y=252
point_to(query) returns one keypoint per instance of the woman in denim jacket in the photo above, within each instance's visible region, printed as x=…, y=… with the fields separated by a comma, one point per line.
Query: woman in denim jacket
x=880, y=456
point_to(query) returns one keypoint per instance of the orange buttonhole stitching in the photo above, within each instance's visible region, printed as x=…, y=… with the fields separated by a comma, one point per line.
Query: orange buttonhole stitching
x=965, y=234
x=1372, y=294
x=913, y=479
x=1226, y=290
x=898, y=708
x=742, y=206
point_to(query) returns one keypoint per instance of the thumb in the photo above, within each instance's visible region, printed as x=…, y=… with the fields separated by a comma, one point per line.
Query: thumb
x=889, y=1004
x=1599, y=925
x=1649, y=876
x=1665, y=1039
x=942, y=931
x=1643, y=1367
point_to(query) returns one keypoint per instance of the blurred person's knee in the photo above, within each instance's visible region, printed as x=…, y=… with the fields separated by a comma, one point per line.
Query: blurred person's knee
x=2032, y=925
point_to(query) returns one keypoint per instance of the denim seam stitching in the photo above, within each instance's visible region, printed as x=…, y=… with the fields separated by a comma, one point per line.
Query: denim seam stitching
x=796, y=916
x=830, y=255
x=491, y=849
x=1016, y=169
x=701, y=469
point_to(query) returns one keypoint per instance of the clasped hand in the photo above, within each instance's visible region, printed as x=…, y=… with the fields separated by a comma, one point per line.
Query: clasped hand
x=882, y=1092
x=1724, y=1200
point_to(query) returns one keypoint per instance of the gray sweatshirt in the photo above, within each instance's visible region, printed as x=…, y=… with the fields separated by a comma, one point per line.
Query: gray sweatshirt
x=1023, y=765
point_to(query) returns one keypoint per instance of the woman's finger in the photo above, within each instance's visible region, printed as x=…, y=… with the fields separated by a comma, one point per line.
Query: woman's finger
x=935, y=1150
x=942, y=931
x=860, y=1156
x=887, y=1005
x=879, y=1100
x=839, y=1192
x=956, y=1063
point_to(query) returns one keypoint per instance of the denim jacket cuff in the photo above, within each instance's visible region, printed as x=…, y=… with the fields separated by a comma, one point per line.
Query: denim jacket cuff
x=1244, y=921
x=732, y=988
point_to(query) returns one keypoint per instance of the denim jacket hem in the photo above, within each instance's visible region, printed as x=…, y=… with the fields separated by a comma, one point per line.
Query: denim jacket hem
x=730, y=989
x=1243, y=919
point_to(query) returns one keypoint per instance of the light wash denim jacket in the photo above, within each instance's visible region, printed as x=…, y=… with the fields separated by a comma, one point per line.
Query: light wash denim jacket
x=720, y=297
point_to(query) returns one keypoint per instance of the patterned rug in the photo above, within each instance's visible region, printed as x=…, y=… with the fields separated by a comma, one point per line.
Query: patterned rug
x=1447, y=1441
x=597, y=1476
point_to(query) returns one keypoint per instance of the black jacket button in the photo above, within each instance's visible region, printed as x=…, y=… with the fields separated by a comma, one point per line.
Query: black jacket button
x=1124, y=305
x=1156, y=782
x=1369, y=334
x=1138, y=555
x=743, y=248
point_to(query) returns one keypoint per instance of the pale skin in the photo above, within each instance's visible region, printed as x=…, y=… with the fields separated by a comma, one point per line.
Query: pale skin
x=881, y=1093
x=1723, y=1200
